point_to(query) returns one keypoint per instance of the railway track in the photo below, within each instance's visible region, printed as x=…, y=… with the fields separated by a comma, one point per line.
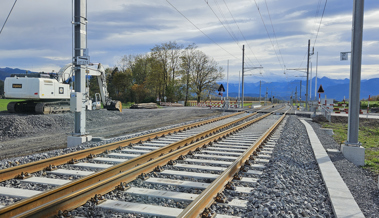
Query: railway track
x=141, y=156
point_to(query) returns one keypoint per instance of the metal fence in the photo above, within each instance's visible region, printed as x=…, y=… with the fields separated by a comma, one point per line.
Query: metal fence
x=327, y=113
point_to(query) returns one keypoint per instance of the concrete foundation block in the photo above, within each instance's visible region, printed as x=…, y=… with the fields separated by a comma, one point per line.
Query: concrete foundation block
x=328, y=131
x=73, y=141
x=356, y=155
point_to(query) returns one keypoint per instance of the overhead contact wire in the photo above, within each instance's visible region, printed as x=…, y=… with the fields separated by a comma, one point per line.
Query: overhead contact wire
x=242, y=33
x=200, y=30
x=6, y=20
x=267, y=32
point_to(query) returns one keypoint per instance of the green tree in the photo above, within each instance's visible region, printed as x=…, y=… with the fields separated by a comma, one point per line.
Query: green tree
x=1, y=88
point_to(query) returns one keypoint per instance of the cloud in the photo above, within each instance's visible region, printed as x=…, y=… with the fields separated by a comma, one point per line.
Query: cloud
x=38, y=33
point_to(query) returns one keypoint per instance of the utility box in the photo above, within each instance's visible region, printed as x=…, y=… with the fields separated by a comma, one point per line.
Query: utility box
x=76, y=101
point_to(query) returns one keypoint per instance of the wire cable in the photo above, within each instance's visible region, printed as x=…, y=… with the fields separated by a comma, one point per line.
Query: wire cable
x=322, y=16
x=314, y=44
x=242, y=33
x=200, y=30
x=8, y=16
x=232, y=35
x=222, y=23
x=276, y=39
x=267, y=32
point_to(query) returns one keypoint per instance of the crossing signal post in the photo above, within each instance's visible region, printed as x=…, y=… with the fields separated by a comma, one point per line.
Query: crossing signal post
x=320, y=90
x=221, y=89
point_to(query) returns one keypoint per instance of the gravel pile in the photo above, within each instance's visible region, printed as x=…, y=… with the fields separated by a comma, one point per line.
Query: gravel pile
x=5, y=163
x=21, y=135
x=15, y=126
x=359, y=181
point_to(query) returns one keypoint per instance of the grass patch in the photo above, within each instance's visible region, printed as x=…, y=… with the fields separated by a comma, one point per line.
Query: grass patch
x=4, y=103
x=247, y=104
x=368, y=136
x=127, y=105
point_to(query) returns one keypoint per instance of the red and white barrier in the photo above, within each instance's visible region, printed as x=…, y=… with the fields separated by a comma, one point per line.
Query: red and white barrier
x=165, y=104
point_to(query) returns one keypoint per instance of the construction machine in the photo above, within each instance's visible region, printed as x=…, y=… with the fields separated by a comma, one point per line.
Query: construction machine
x=50, y=93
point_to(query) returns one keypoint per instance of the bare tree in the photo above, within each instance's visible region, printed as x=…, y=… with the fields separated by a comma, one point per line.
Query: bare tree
x=206, y=73
x=187, y=65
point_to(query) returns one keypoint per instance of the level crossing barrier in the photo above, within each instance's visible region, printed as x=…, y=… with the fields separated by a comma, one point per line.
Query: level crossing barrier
x=165, y=103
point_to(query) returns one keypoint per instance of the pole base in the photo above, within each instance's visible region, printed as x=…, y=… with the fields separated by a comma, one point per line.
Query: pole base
x=73, y=141
x=356, y=155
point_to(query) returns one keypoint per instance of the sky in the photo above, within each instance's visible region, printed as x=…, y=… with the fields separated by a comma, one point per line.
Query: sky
x=38, y=34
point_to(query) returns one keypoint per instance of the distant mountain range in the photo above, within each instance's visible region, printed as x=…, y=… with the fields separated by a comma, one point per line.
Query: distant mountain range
x=6, y=72
x=334, y=88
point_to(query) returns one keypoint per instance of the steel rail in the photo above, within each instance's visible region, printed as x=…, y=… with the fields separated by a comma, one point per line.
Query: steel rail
x=83, y=182
x=12, y=172
x=48, y=204
x=207, y=197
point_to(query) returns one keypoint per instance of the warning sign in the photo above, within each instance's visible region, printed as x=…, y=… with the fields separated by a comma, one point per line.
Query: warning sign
x=221, y=88
x=320, y=89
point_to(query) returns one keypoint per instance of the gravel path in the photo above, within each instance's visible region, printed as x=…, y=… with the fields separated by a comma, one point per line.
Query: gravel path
x=22, y=135
x=359, y=181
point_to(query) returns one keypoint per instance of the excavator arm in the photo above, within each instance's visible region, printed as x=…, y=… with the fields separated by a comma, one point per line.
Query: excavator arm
x=66, y=72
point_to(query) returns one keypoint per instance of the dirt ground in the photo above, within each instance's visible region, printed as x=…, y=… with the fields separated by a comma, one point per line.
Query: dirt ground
x=27, y=134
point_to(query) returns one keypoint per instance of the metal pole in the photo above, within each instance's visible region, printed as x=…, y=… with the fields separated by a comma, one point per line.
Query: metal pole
x=80, y=29
x=243, y=72
x=292, y=99
x=307, y=89
x=310, y=85
x=272, y=99
x=260, y=86
x=316, y=77
x=266, y=96
x=300, y=92
x=239, y=84
x=227, y=83
x=355, y=72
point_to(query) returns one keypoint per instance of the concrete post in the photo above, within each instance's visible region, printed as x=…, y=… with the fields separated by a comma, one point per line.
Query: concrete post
x=350, y=151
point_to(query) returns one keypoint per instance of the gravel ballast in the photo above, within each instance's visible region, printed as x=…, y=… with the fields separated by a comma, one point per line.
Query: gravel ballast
x=359, y=181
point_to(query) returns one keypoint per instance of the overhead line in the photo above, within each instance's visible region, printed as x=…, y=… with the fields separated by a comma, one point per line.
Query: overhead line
x=315, y=17
x=200, y=30
x=267, y=31
x=231, y=35
x=242, y=33
x=221, y=23
x=232, y=32
x=314, y=44
x=225, y=20
x=322, y=16
x=276, y=39
x=8, y=16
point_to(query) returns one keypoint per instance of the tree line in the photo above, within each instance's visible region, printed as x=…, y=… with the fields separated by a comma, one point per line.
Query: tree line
x=169, y=69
